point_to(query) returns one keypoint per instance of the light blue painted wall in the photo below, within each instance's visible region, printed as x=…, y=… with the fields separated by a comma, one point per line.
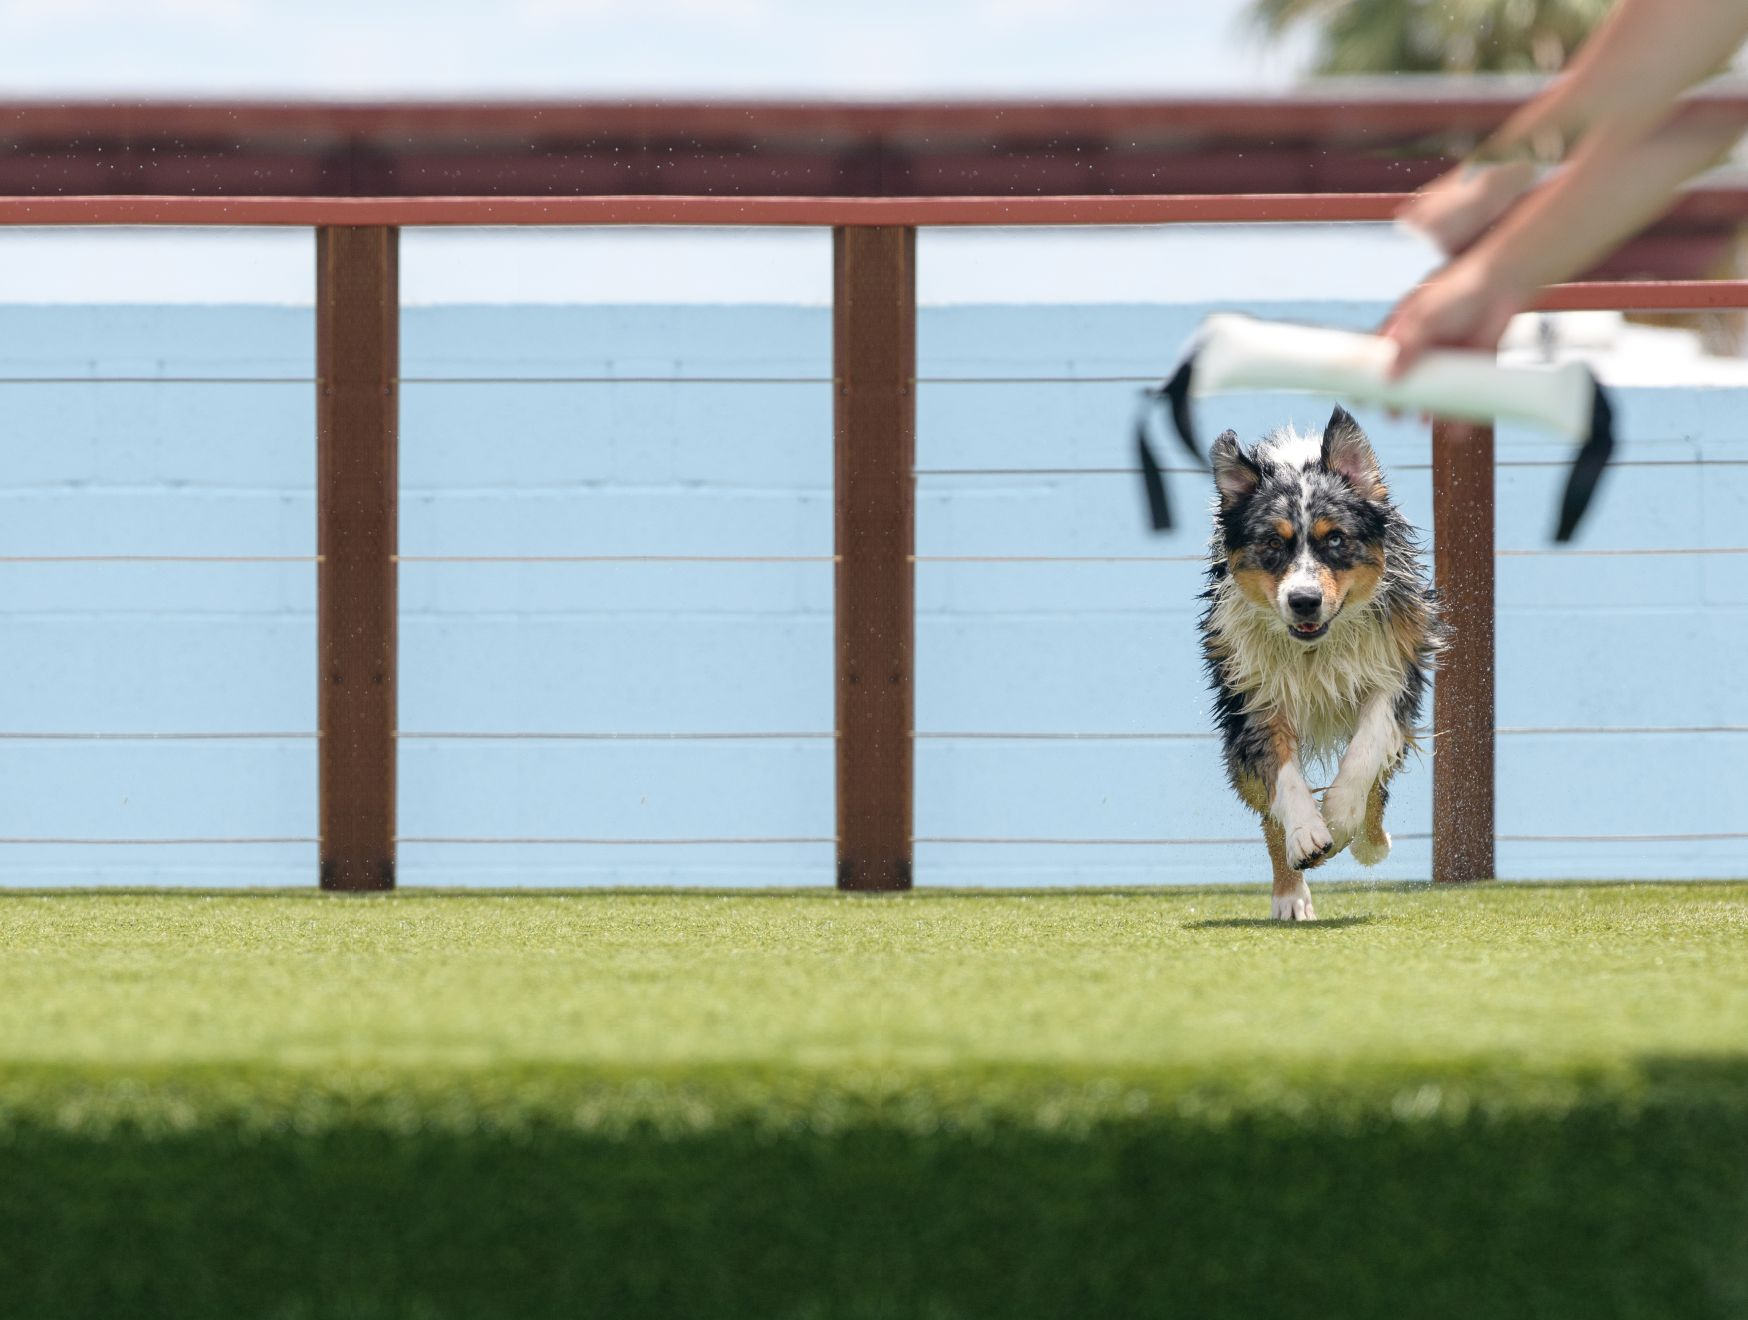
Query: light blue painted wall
x=746, y=469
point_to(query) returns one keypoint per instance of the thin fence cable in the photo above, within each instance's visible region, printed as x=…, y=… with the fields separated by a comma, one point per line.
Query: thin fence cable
x=549, y=840
x=257, y=840
x=537, y=736
x=791, y=735
x=1190, y=735
x=157, y=380
x=53, y=841
x=1622, y=729
x=1621, y=552
x=1394, y=467
x=1255, y=839
x=615, y=559
x=585, y=379
x=1513, y=553
x=1154, y=380
x=618, y=380
x=1618, y=838
x=422, y=380
x=1057, y=559
x=1104, y=843
x=955, y=735
x=31, y=736
x=160, y=559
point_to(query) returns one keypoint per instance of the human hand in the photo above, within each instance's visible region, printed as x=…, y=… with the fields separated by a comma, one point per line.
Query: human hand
x=1459, y=206
x=1466, y=305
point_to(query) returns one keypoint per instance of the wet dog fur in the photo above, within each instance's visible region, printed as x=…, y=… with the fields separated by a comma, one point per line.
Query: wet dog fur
x=1320, y=633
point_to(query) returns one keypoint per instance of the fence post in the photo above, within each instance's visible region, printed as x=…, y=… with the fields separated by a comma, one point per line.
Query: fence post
x=357, y=439
x=1463, y=707
x=874, y=368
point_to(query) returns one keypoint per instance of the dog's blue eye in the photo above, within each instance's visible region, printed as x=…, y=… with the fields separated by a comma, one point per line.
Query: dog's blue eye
x=1333, y=541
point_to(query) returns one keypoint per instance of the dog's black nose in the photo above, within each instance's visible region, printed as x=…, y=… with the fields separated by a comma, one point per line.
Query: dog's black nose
x=1305, y=603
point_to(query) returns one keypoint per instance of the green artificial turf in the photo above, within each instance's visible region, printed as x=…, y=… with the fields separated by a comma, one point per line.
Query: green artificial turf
x=1488, y=1101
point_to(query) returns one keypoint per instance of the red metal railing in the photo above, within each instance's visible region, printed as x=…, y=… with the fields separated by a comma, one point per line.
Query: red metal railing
x=874, y=378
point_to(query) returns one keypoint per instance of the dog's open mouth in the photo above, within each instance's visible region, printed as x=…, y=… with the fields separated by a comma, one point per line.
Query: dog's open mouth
x=1310, y=632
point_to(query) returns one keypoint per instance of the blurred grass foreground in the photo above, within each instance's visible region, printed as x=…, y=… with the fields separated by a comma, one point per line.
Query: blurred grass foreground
x=1499, y=1101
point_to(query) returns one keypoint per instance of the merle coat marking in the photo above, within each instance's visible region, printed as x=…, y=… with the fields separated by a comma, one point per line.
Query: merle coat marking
x=1319, y=635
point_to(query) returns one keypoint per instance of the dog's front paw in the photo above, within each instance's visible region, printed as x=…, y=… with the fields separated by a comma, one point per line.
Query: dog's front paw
x=1295, y=906
x=1309, y=844
x=1344, y=811
x=1369, y=851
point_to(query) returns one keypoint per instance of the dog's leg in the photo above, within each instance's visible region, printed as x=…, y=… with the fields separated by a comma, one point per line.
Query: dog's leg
x=1262, y=756
x=1292, y=896
x=1308, y=840
x=1372, y=844
x=1354, y=805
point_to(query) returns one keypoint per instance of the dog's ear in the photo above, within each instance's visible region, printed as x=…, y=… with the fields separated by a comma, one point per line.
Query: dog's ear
x=1236, y=476
x=1348, y=454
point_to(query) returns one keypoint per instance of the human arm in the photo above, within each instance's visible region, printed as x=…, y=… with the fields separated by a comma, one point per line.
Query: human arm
x=1606, y=194
x=1621, y=83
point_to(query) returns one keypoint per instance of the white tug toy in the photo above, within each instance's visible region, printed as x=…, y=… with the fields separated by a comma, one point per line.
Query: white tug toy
x=1233, y=352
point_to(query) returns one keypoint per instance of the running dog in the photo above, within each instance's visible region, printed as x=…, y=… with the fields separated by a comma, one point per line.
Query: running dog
x=1320, y=633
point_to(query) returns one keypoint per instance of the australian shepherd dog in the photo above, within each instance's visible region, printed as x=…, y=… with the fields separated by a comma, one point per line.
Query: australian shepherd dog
x=1320, y=634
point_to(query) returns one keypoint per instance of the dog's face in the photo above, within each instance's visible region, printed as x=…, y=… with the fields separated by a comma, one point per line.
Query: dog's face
x=1304, y=522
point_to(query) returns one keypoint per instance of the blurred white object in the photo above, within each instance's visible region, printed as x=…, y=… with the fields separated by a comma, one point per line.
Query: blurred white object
x=1617, y=350
x=1239, y=352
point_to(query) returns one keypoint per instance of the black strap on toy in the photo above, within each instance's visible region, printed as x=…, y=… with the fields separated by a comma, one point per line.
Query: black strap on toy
x=1175, y=393
x=1587, y=467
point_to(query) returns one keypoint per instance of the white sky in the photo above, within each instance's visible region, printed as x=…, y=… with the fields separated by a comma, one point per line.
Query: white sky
x=594, y=48
x=1181, y=264
x=643, y=47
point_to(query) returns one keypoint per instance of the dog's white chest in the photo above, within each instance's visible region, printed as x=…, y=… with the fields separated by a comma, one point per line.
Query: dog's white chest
x=1317, y=689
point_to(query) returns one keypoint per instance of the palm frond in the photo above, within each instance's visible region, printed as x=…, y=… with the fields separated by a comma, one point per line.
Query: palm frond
x=1434, y=36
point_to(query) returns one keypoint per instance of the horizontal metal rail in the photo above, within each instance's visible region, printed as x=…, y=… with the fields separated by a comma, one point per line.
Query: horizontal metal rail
x=706, y=211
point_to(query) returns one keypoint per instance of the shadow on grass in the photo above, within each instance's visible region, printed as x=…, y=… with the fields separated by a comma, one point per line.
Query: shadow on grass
x=1593, y=1209
x=1269, y=923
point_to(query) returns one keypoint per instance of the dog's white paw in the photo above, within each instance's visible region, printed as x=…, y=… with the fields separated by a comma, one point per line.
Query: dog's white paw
x=1367, y=853
x=1295, y=906
x=1344, y=811
x=1309, y=843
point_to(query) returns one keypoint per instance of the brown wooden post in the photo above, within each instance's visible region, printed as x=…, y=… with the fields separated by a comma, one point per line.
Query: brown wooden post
x=1463, y=708
x=357, y=438
x=874, y=346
